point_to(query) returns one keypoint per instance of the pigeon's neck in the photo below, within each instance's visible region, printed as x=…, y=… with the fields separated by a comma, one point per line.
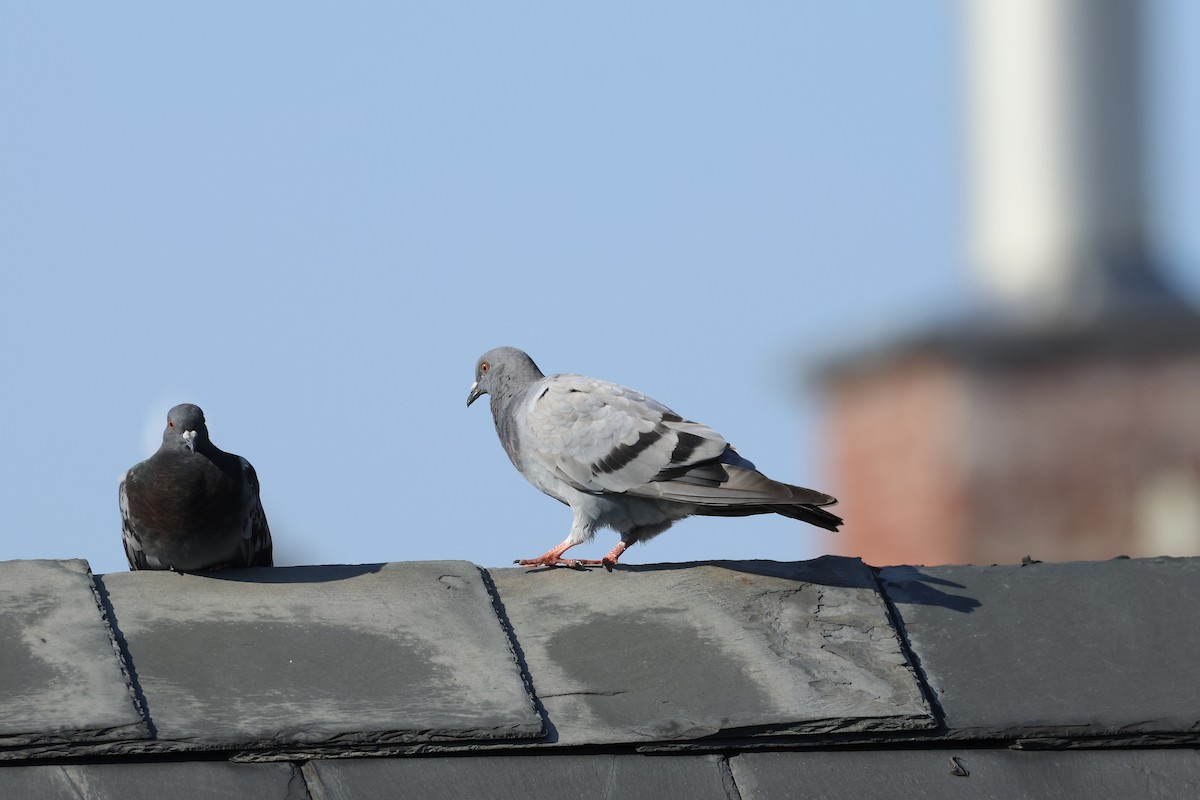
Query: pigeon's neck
x=203, y=447
x=506, y=392
x=504, y=397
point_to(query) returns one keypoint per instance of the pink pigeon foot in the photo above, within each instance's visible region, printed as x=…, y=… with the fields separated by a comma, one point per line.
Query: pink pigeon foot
x=609, y=561
x=552, y=558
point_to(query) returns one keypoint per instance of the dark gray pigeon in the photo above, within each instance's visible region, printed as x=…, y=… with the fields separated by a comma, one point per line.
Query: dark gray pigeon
x=622, y=460
x=192, y=507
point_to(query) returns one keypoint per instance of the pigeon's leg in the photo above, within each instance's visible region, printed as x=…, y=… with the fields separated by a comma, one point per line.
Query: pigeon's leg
x=552, y=558
x=607, y=561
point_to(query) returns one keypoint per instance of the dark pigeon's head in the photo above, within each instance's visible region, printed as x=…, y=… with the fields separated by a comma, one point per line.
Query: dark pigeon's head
x=185, y=427
x=500, y=368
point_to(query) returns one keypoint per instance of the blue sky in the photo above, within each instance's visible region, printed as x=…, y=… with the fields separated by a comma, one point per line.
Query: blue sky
x=311, y=220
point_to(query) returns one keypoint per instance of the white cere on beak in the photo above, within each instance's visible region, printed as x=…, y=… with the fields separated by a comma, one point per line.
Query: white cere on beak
x=189, y=438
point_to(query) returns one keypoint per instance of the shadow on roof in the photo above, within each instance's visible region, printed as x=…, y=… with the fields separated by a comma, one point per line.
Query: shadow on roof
x=305, y=574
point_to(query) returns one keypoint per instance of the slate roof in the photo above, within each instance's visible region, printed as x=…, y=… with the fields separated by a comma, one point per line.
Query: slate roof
x=735, y=679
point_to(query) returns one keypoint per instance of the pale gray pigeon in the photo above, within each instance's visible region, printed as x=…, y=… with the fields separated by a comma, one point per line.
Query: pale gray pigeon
x=192, y=507
x=622, y=460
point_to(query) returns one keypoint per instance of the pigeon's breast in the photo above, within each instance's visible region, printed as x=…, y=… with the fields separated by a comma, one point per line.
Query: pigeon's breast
x=183, y=493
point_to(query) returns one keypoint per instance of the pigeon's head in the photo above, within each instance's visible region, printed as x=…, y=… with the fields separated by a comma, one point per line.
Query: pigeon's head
x=185, y=427
x=500, y=371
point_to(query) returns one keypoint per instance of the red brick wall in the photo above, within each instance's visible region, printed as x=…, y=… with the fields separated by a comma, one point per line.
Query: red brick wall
x=1057, y=453
x=890, y=435
x=940, y=462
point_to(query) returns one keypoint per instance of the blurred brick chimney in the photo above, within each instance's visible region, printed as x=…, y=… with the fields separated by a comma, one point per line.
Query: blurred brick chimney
x=1062, y=418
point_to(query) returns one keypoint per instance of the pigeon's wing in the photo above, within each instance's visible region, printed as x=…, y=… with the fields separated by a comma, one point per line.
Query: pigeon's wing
x=130, y=536
x=601, y=437
x=256, y=535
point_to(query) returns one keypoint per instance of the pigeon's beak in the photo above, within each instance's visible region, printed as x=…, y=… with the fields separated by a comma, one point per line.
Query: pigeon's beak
x=189, y=438
x=473, y=395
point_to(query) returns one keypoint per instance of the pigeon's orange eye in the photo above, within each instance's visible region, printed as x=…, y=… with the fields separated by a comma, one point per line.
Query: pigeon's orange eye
x=170, y=424
x=484, y=367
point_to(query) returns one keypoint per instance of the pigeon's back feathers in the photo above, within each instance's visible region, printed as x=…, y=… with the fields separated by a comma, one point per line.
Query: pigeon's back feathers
x=622, y=459
x=601, y=437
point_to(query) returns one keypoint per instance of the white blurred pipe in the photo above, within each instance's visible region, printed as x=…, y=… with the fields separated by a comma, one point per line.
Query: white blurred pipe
x=1054, y=150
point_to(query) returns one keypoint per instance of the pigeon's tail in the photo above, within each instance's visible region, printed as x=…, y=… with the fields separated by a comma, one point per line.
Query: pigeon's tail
x=801, y=511
x=810, y=514
x=745, y=492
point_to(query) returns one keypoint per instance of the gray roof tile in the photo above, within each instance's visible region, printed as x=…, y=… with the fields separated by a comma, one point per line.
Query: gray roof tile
x=687, y=651
x=521, y=777
x=60, y=677
x=1077, y=649
x=200, y=780
x=784, y=666
x=307, y=655
x=975, y=773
